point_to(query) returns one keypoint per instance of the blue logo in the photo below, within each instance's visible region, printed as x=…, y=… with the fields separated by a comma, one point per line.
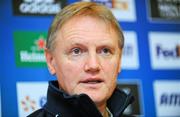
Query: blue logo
x=171, y=53
x=128, y=50
x=107, y=3
x=172, y=99
x=42, y=101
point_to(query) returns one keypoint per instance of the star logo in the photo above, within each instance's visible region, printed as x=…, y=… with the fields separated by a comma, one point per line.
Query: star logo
x=28, y=104
x=40, y=43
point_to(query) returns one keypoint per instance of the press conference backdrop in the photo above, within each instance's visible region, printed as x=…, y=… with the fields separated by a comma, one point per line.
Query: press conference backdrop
x=150, y=64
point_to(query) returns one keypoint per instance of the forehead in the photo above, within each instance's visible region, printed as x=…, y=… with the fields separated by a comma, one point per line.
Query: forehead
x=87, y=25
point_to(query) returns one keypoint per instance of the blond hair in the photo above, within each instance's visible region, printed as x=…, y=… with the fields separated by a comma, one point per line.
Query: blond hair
x=82, y=9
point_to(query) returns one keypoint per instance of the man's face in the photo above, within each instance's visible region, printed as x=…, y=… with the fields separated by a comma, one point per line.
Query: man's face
x=86, y=58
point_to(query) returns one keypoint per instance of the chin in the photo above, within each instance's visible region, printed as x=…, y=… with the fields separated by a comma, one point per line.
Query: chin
x=97, y=97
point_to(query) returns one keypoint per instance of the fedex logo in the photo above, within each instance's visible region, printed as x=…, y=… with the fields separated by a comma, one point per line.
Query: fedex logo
x=164, y=50
x=169, y=53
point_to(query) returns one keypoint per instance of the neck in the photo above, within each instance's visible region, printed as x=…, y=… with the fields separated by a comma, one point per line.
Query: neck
x=105, y=114
x=102, y=109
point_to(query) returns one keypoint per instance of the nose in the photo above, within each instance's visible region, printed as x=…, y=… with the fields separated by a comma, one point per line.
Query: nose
x=92, y=64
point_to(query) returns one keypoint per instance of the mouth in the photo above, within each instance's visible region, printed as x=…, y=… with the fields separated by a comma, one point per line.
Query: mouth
x=92, y=81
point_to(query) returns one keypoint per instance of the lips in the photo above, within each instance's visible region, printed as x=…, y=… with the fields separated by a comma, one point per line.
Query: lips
x=92, y=81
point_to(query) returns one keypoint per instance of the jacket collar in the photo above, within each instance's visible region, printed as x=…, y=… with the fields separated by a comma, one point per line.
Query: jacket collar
x=59, y=101
x=119, y=101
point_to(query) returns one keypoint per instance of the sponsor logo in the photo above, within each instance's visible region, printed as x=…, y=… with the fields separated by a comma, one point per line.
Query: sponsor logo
x=28, y=104
x=167, y=98
x=165, y=9
x=130, y=57
x=31, y=96
x=173, y=53
x=29, y=48
x=123, y=10
x=42, y=101
x=135, y=107
x=107, y=3
x=165, y=50
x=37, y=7
x=172, y=99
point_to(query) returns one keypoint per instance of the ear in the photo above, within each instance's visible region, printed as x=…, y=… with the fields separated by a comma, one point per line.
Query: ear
x=50, y=61
x=120, y=60
x=119, y=69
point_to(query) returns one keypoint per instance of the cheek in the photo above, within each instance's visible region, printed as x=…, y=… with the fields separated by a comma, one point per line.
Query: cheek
x=69, y=72
x=111, y=68
x=72, y=68
x=68, y=75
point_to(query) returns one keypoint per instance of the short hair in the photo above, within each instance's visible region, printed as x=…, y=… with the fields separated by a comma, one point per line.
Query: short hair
x=83, y=9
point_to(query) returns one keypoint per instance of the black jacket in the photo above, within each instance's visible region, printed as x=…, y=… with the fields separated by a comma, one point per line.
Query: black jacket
x=60, y=104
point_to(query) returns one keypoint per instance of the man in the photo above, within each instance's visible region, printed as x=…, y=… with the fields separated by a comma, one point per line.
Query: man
x=83, y=50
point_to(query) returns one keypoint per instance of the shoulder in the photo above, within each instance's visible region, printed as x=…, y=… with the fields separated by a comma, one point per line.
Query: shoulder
x=40, y=113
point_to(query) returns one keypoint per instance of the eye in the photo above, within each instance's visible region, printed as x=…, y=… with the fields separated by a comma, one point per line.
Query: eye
x=76, y=51
x=105, y=51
